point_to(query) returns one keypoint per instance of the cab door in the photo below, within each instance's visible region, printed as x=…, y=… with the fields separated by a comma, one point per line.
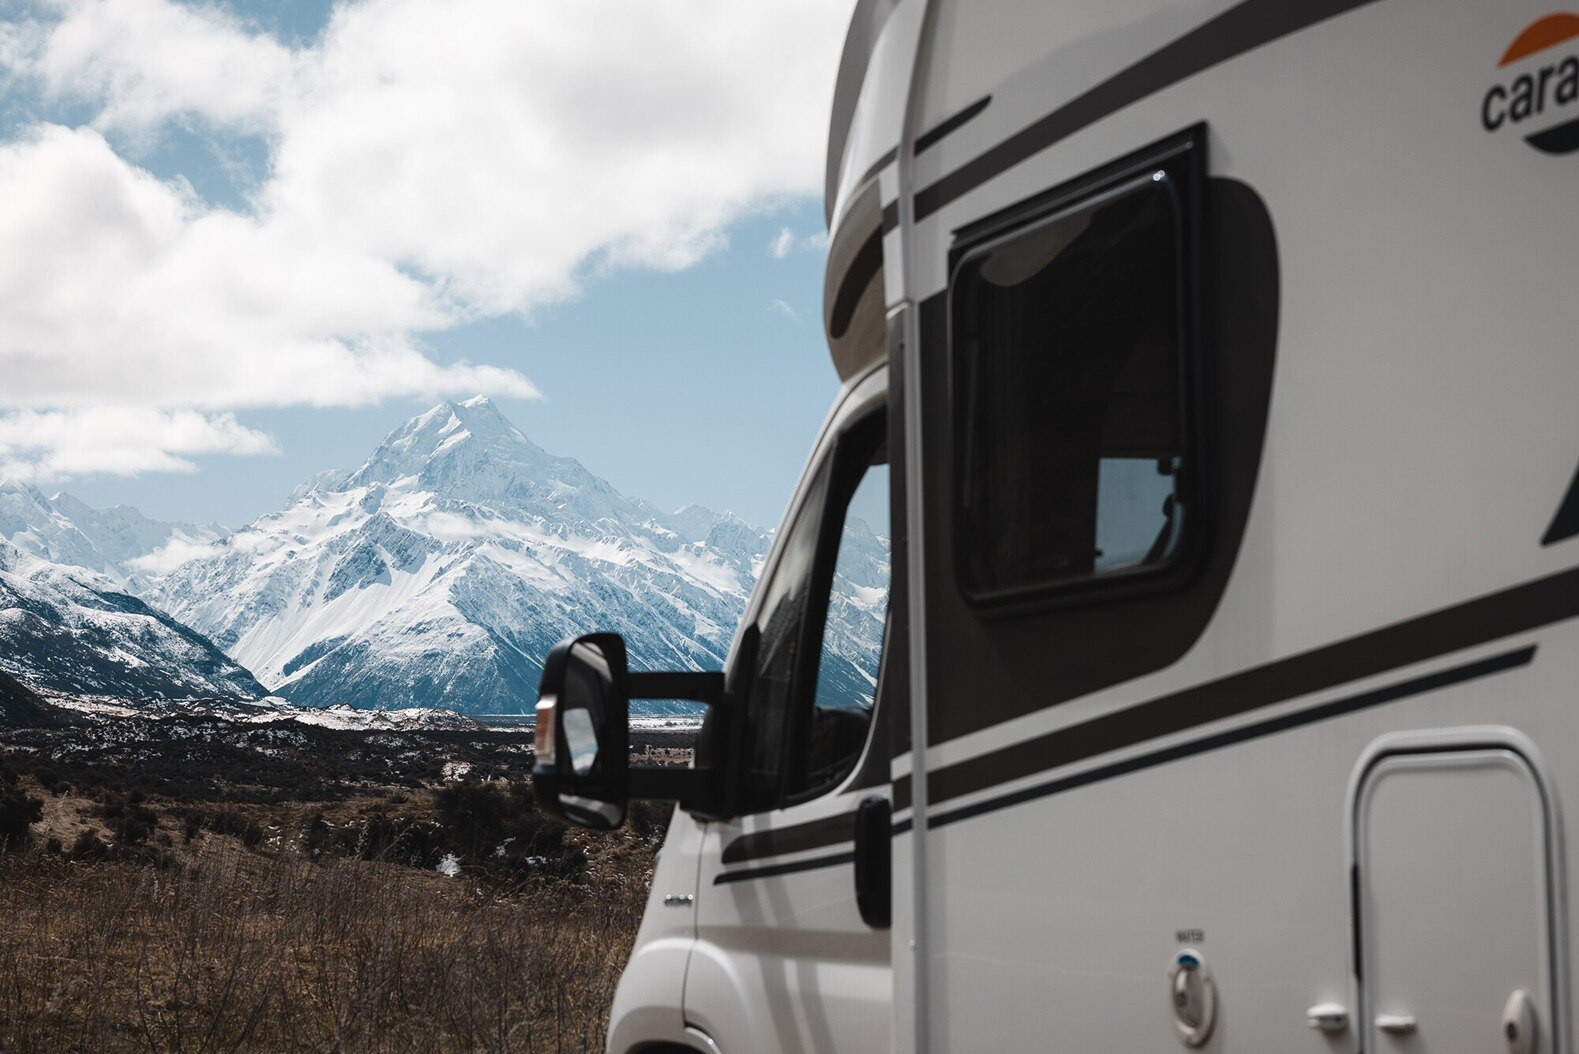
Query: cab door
x=788, y=956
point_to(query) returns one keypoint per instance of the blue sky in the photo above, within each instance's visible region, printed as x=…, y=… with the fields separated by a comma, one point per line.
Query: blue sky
x=248, y=240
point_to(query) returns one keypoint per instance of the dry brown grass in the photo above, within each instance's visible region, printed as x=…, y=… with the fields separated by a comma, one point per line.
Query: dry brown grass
x=236, y=950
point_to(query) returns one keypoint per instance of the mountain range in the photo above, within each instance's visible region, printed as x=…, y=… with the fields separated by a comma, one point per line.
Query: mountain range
x=436, y=574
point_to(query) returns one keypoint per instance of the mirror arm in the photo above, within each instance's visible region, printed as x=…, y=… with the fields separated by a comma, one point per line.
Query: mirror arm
x=694, y=789
x=697, y=687
x=674, y=784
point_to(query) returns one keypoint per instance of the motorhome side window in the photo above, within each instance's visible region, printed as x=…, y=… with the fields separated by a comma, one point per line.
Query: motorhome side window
x=821, y=625
x=1070, y=359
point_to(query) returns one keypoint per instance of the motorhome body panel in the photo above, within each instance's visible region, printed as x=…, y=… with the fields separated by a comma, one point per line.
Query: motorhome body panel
x=1391, y=574
x=648, y=1002
x=1399, y=552
x=782, y=953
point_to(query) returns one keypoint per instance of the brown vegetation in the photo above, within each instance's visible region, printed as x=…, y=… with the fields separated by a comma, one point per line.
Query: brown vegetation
x=135, y=924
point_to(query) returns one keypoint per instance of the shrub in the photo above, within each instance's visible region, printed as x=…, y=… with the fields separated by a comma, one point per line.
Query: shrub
x=319, y=836
x=19, y=811
x=131, y=822
x=89, y=847
x=489, y=821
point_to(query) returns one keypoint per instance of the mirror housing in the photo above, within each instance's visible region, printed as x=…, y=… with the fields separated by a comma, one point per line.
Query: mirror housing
x=581, y=767
x=581, y=771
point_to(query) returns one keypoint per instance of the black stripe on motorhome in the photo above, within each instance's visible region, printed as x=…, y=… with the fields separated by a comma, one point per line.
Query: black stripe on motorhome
x=877, y=166
x=1565, y=524
x=1426, y=637
x=1240, y=29
x=830, y=830
x=802, y=836
x=772, y=870
x=934, y=135
x=1416, y=640
x=1390, y=693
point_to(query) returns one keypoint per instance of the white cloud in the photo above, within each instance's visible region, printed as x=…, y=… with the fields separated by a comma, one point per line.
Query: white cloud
x=429, y=162
x=175, y=552
x=509, y=148
x=145, y=60
x=783, y=308
x=782, y=243
x=43, y=445
x=786, y=242
x=118, y=289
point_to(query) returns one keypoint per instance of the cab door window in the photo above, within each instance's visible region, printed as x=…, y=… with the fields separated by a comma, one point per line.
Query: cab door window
x=822, y=628
x=781, y=626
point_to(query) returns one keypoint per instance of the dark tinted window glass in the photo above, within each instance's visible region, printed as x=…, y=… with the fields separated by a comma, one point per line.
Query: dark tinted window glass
x=852, y=637
x=810, y=713
x=781, y=621
x=1068, y=344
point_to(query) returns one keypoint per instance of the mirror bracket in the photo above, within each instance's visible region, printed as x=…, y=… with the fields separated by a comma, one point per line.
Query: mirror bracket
x=695, y=789
x=693, y=686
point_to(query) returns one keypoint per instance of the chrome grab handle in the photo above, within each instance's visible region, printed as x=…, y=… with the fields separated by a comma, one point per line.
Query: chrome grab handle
x=1396, y=1024
x=1330, y=1018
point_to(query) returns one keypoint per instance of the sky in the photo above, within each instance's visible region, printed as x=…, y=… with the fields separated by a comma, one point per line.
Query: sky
x=243, y=241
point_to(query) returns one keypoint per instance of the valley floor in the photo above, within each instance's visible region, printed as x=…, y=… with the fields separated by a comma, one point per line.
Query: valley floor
x=183, y=889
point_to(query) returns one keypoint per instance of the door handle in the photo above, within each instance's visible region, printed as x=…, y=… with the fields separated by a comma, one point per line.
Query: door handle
x=874, y=862
x=1396, y=1024
x=1330, y=1018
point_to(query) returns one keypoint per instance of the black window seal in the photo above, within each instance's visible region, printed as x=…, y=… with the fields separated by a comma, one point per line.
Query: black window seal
x=849, y=461
x=1183, y=156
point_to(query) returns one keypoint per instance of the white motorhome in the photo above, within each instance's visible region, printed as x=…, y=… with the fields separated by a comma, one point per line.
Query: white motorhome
x=1219, y=359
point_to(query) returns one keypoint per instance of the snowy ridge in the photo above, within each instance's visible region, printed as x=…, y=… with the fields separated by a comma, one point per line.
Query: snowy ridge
x=119, y=543
x=265, y=711
x=69, y=629
x=439, y=573
x=434, y=577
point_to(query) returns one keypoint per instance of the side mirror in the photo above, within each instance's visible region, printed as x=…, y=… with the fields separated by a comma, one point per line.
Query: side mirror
x=581, y=772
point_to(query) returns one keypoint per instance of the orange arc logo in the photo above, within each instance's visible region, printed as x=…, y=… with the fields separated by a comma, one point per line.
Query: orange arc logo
x=1540, y=35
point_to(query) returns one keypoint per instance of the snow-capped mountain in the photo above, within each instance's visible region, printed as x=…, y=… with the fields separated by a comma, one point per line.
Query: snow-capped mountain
x=441, y=571
x=120, y=543
x=269, y=710
x=437, y=574
x=70, y=629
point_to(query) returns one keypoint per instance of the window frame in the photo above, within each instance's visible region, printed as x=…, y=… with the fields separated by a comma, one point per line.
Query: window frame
x=836, y=461
x=1183, y=158
x=845, y=472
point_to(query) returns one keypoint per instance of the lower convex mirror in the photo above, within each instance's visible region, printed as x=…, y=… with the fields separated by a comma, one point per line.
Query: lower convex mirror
x=581, y=769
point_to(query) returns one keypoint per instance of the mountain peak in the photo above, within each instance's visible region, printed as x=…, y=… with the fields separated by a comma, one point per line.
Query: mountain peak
x=12, y=485
x=472, y=430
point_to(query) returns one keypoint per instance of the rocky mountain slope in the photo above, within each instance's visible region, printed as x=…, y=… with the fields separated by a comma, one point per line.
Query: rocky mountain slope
x=69, y=629
x=441, y=571
x=120, y=543
x=437, y=574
